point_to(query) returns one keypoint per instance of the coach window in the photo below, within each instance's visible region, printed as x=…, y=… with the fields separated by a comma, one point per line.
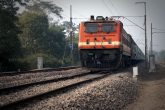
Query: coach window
x=107, y=28
x=91, y=27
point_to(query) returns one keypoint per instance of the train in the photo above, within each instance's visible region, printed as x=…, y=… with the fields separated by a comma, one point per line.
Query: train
x=105, y=45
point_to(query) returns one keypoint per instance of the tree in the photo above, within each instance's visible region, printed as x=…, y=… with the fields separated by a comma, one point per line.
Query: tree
x=39, y=37
x=33, y=24
x=74, y=29
x=9, y=42
x=46, y=7
x=56, y=39
x=34, y=27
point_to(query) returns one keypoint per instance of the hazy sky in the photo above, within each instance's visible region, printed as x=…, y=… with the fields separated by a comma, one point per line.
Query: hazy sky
x=155, y=14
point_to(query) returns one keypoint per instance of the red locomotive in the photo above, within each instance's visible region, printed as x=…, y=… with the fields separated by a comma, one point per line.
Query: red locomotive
x=104, y=44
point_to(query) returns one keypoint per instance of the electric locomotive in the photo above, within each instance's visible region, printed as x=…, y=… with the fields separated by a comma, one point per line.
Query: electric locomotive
x=104, y=44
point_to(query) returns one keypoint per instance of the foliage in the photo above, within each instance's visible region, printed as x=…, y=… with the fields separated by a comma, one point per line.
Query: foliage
x=9, y=42
x=56, y=39
x=38, y=37
x=76, y=51
x=67, y=26
x=22, y=42
x=30, y=61
x=34, y=27
x=47, y=7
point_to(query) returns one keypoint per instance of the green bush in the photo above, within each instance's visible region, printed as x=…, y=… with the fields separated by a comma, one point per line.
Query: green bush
x=30, y=61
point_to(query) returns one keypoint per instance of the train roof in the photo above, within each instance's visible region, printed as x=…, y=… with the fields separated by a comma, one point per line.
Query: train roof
x=101, y=19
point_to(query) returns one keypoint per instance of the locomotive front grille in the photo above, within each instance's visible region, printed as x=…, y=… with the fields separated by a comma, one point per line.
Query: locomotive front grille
x=99, y=58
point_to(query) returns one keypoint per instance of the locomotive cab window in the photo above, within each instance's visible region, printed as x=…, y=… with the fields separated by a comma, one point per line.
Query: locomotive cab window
x=91, y=27
x=107, y=27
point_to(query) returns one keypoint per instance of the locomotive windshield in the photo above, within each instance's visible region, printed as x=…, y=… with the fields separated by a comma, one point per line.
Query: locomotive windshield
x=91, y=27
x=107, y=27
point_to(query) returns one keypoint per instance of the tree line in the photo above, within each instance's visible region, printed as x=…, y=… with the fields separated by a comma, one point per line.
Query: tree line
x=30, y=34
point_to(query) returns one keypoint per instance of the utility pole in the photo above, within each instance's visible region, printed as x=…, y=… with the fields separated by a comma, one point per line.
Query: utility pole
x=145, y=22
x=71, y=35
x=151, y=40
x=151, y=56
x=152, y=67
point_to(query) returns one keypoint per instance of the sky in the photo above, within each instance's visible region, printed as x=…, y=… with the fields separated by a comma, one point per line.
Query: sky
x=82, y=9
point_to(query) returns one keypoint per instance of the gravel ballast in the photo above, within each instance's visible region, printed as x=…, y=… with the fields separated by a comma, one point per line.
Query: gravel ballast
x=111, y=93
x=40, y=89
x=9, y=81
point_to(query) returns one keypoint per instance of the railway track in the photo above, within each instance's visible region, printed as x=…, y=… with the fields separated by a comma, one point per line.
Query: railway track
x=22, y=79
x=13, y=73
x=12, y=97
x=14, y=84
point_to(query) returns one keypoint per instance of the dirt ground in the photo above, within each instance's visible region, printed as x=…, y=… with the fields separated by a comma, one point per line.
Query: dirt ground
x=151, y=93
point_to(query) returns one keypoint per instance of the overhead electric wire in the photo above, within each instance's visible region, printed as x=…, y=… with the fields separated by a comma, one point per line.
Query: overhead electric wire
x=133, y=16
x=158, y=32
x=129, y=25
x=69, y=9
x=114, y=6
x=129, y=21
x=134, y=23
x=107, y=7
x=80, y=18
x=158, y=29
x=125, y=16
